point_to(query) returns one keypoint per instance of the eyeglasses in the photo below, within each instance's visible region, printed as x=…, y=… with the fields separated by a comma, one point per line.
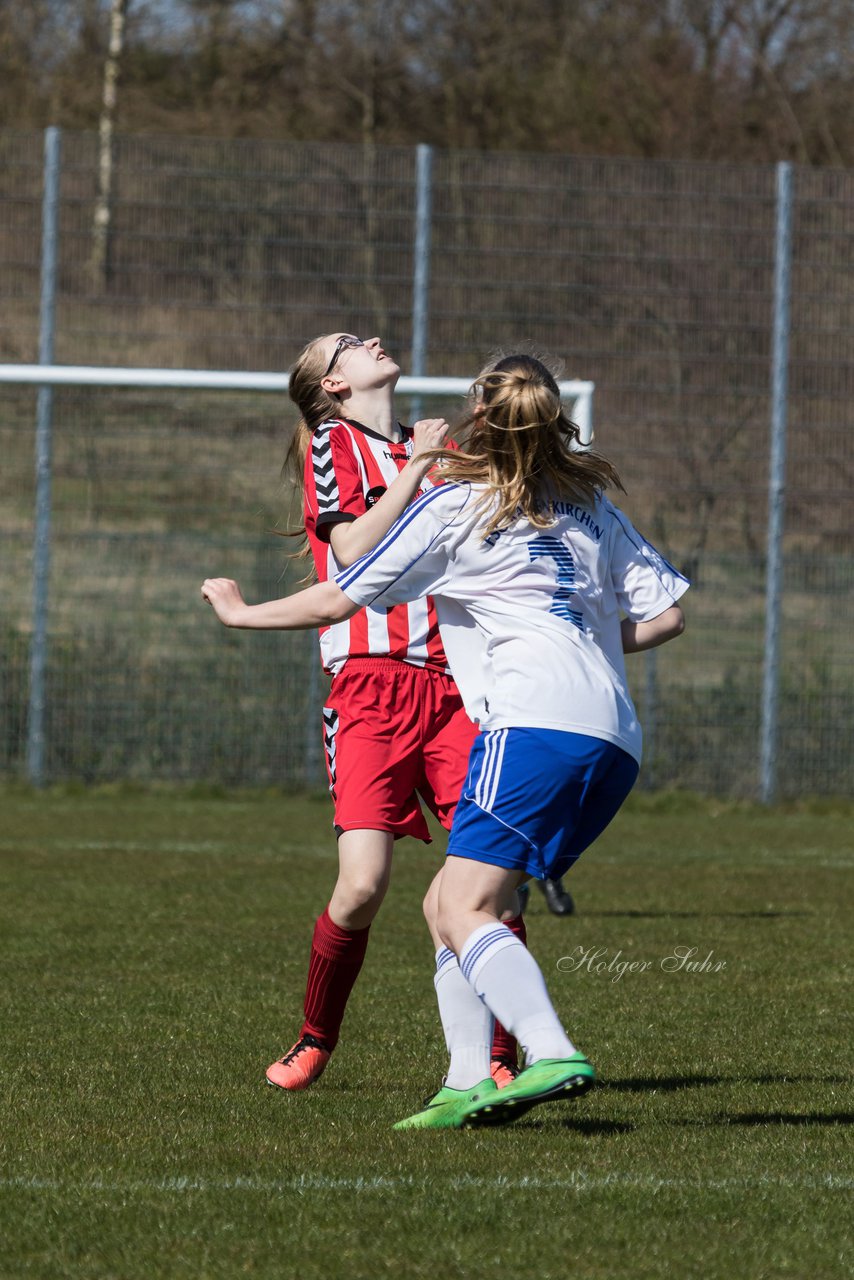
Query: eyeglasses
x=341, y=345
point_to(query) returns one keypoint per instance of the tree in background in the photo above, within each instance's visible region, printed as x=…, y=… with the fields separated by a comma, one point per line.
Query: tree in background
x=100, y=260
x=748, y=80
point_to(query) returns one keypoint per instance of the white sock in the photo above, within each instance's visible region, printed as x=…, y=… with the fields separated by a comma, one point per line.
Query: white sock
x=466, y=1022
x=506, y=976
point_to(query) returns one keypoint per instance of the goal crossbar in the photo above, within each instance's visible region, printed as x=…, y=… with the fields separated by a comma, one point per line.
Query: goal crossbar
x=62, y=375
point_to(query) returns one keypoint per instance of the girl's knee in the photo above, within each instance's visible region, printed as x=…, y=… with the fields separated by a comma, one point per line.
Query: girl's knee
x=357, y=900
x=430, y=905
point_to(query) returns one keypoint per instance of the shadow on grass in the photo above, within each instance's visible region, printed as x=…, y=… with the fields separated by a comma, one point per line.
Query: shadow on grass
x=698, y=915
x=756, y=1118
x=749, y=1119
x=598, y=1128
x=669, y=1084
x=589, y=1128
x=664, y=1084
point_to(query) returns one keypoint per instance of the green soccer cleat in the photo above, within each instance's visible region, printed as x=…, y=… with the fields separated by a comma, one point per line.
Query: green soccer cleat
x=448, y=1108
x=541, y=1082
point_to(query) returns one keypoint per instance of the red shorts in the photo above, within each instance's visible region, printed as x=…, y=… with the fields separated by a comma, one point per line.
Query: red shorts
x=394, y=732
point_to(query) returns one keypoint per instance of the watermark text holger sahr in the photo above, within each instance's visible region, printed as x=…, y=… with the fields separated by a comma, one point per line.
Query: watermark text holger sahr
x=614, y=965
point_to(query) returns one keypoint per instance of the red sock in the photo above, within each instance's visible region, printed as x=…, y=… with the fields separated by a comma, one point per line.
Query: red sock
x=503, y=1044
x=336, y=958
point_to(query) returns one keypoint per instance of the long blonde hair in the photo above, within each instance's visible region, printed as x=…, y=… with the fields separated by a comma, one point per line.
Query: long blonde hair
x=521, y=444
x=315, y=405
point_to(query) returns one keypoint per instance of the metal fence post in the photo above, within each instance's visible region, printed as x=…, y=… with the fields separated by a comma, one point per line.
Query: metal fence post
x=776, y=485
x=44, y=408
x=421, y=272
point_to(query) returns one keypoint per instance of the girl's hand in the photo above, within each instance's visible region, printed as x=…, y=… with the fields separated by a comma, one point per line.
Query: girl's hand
x=428, y=434
x=223, y=595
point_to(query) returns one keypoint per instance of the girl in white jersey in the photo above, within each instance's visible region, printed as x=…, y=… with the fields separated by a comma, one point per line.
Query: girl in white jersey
x=395, y=730
x=531, y=568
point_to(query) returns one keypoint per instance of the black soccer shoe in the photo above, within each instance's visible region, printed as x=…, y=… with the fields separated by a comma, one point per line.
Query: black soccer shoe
x=559, y=901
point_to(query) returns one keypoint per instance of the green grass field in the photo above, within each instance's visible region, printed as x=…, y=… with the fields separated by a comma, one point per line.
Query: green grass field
x=154, y=946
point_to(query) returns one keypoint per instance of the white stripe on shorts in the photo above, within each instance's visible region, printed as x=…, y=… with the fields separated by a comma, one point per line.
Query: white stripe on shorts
x=487, y=784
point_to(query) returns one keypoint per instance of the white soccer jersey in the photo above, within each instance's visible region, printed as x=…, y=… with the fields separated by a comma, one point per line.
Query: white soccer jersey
x=530, y=618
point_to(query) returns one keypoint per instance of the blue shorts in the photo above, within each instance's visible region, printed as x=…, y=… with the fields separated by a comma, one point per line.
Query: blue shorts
x=534, y=799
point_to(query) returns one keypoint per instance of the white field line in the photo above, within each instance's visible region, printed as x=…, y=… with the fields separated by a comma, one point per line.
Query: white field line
x=308, y=1182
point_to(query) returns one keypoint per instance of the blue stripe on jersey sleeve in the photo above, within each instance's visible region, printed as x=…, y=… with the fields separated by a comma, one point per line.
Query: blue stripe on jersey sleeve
x=639, y=541
x=349, y=576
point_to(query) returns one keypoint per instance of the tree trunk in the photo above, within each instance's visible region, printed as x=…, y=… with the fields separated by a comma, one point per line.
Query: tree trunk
x=100, y=261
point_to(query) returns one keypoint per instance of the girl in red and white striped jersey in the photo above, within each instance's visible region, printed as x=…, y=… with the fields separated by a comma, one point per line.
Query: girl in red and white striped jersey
x=394, y=724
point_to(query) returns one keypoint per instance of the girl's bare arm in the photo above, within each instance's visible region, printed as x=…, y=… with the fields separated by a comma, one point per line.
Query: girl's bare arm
x=638, y=636
x=317, y=606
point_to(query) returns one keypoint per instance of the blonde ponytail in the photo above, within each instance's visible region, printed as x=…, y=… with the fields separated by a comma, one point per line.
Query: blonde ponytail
x=524, y=448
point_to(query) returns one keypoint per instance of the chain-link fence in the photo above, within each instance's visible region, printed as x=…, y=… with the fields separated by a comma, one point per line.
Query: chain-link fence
x=653, y=279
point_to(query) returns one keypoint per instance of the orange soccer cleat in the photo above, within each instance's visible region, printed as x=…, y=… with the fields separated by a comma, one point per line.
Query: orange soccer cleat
x=503, y=1071
x=303, y=1063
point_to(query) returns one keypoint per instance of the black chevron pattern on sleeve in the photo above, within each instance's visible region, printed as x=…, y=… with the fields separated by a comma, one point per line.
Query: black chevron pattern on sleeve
x=324, y=468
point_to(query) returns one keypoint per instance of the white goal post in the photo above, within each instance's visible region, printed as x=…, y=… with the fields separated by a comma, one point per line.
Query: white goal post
x=61, y=375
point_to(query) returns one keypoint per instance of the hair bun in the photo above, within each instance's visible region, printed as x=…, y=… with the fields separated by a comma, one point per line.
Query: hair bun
x=522, y=370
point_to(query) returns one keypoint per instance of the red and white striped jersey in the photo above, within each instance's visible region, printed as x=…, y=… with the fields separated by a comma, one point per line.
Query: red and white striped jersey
x=348, y=468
